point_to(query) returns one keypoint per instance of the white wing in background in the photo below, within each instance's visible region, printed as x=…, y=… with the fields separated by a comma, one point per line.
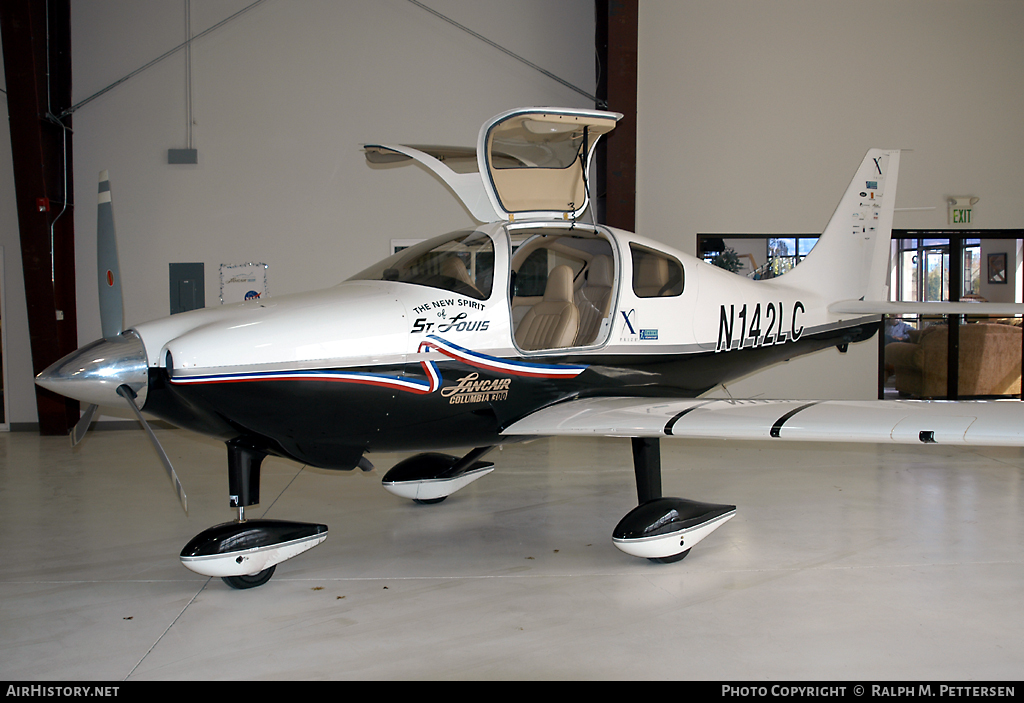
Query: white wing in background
x=983, y=423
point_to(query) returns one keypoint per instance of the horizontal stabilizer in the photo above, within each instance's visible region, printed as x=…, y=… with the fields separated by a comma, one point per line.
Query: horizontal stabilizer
x=981, y=423
x=884, y=307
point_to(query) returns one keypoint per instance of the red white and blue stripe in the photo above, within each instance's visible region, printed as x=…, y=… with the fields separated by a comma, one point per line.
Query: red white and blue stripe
x=409, y=385
x=370, y=379
x=498, y=365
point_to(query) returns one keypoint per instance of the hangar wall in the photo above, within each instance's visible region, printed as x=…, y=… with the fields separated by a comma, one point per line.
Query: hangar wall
x=283, y=97
x=753, y=117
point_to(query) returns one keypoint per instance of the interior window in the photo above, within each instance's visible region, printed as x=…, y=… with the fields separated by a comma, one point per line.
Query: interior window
x=462, y=262
x=755, y=256
x=655, y=275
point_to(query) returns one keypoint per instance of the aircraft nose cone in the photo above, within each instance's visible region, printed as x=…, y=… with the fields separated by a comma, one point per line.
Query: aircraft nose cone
x=93, y=373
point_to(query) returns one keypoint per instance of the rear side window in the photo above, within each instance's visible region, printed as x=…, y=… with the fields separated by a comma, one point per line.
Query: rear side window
x=655, y=275
x=532, y=277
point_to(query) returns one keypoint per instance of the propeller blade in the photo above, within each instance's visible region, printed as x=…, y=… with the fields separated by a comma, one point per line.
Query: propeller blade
x=111, y=303
x=129, y=395
x=82, y=426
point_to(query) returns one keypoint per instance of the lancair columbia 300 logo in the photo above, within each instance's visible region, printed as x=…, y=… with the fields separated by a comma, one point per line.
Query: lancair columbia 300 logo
x=471, y=390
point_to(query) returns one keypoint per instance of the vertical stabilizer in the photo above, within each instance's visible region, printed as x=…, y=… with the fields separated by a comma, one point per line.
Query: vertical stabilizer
x=851, y=259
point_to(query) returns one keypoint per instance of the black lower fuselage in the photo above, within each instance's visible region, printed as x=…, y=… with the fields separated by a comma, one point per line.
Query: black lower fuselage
x=331, y=423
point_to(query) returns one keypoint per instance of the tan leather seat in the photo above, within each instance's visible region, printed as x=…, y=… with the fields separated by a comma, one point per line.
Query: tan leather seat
x=553, y=322
x=454, y=267
x=650, y=276
x=593, y=299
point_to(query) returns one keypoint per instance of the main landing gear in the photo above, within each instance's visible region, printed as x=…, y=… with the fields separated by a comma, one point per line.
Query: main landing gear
x=245, y=553
x=663, y=529
x=430, y=478
x=660, y=529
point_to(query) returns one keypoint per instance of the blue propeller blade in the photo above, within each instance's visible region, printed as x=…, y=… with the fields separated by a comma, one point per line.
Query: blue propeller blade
x=111, y=303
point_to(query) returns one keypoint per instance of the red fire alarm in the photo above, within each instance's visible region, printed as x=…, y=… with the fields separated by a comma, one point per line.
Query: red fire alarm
x=43, y=204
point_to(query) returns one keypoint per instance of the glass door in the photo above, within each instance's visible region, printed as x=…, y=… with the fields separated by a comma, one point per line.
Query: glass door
x=952, y=356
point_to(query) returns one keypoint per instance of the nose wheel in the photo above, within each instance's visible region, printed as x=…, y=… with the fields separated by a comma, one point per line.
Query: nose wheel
x=670, y=560
x=252, y=581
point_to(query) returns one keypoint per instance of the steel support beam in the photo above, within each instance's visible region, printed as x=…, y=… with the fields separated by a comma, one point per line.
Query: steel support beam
x=617, y=52
x=37, y=62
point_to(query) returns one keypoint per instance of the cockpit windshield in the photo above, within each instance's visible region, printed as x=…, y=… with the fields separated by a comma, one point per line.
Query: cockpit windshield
x=462, y=262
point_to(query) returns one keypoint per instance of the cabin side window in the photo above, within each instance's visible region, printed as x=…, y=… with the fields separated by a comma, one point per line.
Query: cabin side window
x=655, y=275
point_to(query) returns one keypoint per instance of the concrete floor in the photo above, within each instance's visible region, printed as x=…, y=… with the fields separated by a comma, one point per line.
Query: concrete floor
x=851, y=562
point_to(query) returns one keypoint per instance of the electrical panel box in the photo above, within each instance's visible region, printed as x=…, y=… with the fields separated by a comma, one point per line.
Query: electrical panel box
x=188, y=287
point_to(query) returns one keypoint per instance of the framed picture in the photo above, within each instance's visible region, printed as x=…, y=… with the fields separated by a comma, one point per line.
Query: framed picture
x=997, y=268
x=242, y=282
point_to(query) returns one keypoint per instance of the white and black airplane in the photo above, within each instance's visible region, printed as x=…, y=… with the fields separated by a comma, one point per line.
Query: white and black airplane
x=534, y=323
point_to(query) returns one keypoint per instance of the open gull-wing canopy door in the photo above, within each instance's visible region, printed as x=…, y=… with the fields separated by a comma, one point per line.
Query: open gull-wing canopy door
x=530, y=163
x=536, y=162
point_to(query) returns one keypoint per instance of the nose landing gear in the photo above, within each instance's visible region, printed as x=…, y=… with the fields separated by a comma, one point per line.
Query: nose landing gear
x=245, y=553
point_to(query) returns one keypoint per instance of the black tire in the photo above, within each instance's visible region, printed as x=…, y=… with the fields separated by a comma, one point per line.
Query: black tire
x=428, y=501
x=672, y=559
x=252, y=581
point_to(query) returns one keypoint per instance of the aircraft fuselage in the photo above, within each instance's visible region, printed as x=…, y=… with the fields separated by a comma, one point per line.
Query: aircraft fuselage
x=393, y=365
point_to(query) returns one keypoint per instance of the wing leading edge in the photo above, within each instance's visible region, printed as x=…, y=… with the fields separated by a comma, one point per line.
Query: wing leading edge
x=980, y=423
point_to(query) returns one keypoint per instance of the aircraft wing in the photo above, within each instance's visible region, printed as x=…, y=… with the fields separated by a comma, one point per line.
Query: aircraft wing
x=984, y=423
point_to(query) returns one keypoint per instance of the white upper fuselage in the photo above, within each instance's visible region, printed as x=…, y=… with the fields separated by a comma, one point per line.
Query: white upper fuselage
x=371, y=323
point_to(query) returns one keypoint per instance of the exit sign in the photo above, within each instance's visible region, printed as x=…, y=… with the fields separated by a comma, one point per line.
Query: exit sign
x=960, y=216
x=961, y=209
